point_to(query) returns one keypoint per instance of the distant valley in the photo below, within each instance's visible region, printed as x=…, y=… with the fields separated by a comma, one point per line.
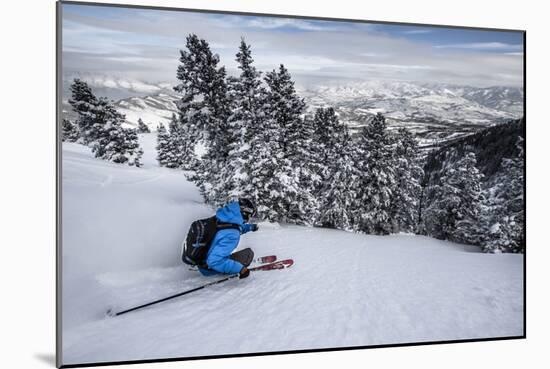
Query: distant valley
x=434, y=113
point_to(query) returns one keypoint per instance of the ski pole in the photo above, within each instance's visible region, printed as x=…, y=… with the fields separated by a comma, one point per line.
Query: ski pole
x=172, y=296
x=113, y=314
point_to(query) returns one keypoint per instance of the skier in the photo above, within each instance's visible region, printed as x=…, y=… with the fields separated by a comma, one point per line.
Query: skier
x=220, y=258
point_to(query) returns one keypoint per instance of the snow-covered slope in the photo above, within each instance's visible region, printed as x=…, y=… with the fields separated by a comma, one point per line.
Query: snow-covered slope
x=499, y=98
x=152, y=109
x=122, y=229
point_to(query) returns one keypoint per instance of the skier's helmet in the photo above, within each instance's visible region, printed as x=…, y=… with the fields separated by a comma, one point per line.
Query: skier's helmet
x=248, y=209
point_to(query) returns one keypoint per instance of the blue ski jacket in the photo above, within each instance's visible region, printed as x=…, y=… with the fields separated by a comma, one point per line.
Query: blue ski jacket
x=225, y=241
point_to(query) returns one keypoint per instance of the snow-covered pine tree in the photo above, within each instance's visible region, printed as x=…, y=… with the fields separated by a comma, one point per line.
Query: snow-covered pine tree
x=170, y=151
x=84, y=103
x=100, y=127
x=248, y=94
x=113, y=142
x=283, y=109
x=246, y=97
x=129, y=151
x=375, y=163
x=505, y=234
x=301, y=162
x=329, y=141
x=203, y=110
x=455, y=212
x=405, y=201
x=338, y=197
x=329, y=135
x=265, y=185
x=178, y=150
x=436, y=218
x=163, y=143
x=69, y=131
x=286, y=108
x=273, y=182
x=507, y=214
x=310, y=163
x=142, y=127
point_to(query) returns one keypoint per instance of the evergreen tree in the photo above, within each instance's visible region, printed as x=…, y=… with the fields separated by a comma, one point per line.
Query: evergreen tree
x=263, y=186
x=203, y=111
x=204, y=105
x=246, y=97
x=303, y=162
x=69, y=132
x=179, y=148
x=328, y=158
x=163, y=142
x=286, y=108
x=340, y=191
x=311, y=163
x=100, y=127
x=129, y=150
x=378, y=178
x=272, y=182
x=113, y=142
x=405, y=201
x=283, y=109
x=84, y=103
x=506, y=207
x=329, y=137
x=455, y=212
x=172, y=151
x=142, y=127
x=308, y=211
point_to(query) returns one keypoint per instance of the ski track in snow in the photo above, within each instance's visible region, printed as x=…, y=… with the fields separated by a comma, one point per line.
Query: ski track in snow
x=122, y=230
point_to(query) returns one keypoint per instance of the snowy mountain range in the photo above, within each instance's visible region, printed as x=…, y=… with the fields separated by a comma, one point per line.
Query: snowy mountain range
x=434, y=113
x=152, y=109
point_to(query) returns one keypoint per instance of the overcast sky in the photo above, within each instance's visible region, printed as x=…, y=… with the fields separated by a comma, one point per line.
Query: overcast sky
x=137, y=49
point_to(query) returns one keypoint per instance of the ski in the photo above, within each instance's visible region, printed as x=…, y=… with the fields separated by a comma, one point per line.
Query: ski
x=281, y=264
x=265, y=259
x=259, y=260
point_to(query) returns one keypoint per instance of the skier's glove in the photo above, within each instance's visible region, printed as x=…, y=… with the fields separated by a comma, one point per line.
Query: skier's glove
x=254, y=227
x=244, y=272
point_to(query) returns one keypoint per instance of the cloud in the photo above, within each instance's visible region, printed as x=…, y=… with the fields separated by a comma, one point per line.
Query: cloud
x=399, y=66
x=287, y=24
x=142, y=48
x=481, y=46
x=417, y=31
x=374, y=55
x=273, y=23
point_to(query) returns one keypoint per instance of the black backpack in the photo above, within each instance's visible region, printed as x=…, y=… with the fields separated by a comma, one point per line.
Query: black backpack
x=198, y=240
